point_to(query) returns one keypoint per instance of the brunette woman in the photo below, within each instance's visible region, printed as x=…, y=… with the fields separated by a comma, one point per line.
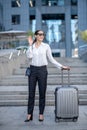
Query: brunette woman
x=39, y=53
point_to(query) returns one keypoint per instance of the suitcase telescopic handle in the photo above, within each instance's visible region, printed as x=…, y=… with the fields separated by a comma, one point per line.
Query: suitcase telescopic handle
x=62, y=77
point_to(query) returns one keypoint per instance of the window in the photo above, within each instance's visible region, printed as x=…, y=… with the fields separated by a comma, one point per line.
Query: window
x=15, y=19
x=15, y=3
x=60, y=2
x=49, y=2
x=52, y=2
x=73, y=2
x=32, y=3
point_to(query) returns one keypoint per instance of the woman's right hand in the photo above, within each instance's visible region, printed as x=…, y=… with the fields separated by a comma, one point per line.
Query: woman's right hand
x=30, y=40
x=65, y=68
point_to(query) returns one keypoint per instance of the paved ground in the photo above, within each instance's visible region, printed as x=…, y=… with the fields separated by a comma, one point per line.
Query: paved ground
x=12, y=118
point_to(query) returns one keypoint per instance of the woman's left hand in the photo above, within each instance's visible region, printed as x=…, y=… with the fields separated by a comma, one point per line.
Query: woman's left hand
x=65, y=68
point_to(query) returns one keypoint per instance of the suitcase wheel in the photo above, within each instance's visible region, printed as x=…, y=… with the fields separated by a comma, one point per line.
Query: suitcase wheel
x=57, y=119
x=75, y=119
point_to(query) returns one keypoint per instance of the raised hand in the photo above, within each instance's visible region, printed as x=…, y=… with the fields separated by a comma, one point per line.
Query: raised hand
x=30, y=40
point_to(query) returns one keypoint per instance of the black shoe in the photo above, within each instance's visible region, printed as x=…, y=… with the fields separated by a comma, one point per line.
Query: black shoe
x=41, y=120
x=30, y=119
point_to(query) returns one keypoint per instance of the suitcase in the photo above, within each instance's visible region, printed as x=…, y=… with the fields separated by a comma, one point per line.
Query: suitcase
x=66, y=101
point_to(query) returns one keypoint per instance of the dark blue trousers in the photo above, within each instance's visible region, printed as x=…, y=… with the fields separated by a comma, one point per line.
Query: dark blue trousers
x=38, y=75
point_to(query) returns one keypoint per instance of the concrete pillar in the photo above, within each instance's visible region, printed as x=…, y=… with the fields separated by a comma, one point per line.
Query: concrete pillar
x=38, y=15
x=68, y=51
x=1, y=13
x=82, y=18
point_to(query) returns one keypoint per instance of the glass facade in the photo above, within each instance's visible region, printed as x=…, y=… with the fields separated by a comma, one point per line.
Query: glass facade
x=57, y=18
x=52, y=2
x=47, y=3
x=74, y=32
x=54, y=23
x=55, y=32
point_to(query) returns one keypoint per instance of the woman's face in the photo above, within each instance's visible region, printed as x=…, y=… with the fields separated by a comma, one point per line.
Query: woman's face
x=40, y=36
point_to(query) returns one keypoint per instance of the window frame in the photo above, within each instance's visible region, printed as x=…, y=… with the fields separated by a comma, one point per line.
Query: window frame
x=14, y=3
x=15, y=19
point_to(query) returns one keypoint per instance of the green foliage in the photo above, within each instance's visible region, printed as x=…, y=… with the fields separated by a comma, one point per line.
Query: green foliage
x=30, y=33
x=83, y=35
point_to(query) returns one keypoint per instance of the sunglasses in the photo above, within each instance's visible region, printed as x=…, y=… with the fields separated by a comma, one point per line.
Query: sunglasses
x=41, y=34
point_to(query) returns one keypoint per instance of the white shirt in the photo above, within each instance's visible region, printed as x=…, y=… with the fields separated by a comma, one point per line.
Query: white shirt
x=39, y=56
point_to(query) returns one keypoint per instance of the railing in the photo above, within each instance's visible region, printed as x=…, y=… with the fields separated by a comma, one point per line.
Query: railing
x=83, y=52
x=56, y=52
x=10, y=60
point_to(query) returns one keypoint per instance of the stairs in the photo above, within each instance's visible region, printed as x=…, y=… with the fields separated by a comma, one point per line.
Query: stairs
x=14, y=90
x=18, y=95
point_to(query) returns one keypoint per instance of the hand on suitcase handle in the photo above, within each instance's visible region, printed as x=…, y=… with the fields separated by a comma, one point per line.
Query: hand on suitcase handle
x=65, y=68
x=68, y=69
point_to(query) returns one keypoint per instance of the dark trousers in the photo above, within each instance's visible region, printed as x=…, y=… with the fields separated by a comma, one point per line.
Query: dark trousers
x=38, y=74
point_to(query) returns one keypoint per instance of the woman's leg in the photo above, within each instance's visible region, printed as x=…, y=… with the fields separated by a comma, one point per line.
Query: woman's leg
x=32, y=88
x=42, y=83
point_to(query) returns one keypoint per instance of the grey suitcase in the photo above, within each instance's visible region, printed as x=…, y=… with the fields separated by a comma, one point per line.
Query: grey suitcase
x=66, y=102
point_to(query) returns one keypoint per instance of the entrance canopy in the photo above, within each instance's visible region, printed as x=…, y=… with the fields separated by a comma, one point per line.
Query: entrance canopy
x=13, y=35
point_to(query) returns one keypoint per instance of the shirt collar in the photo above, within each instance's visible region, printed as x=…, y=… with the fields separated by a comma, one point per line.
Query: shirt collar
x=40, y=45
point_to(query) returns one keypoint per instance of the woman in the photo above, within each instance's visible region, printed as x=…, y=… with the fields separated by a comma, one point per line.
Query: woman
x=38, y=52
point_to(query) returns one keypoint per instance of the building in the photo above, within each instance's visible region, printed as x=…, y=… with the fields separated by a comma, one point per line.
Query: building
x=59, y=19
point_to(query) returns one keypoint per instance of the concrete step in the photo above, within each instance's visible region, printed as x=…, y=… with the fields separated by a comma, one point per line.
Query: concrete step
x=54, y=70
x=52, y=79
x=25, y=102
x=20, y=77
x=24, y=97
x=22, y=103
x=50, y=96
x=49, y=82
x=63, y=60
x=18, y=95
x=78, y=73
x=16, y=91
